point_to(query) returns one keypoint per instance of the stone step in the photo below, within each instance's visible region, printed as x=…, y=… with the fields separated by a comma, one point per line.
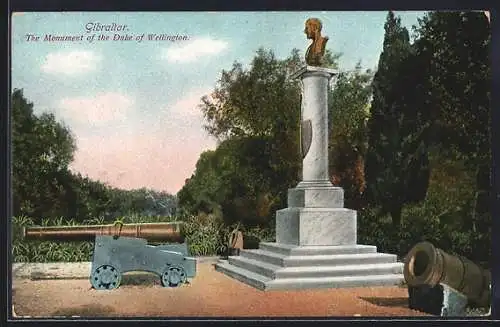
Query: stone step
x=335, y=282
x=273, y=271
x=242, y=275
x=339, y=271
x=318, y=260
x=292, y=250
x=255, y=266
x=264, y=283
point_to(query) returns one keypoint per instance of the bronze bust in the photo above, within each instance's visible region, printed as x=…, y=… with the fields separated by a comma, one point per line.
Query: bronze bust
x=316, y=51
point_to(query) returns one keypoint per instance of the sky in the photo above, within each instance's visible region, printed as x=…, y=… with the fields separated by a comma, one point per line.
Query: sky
x=132, y=105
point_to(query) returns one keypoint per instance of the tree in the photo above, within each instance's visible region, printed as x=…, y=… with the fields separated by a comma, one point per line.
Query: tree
x=42, y=150
x=456, y=47
x=112, y=203
x=348, y=113
x=441, y=91
x=396, y=169
x=89, y=199
x=233, y=182
x=260, y=101
x=200, y=192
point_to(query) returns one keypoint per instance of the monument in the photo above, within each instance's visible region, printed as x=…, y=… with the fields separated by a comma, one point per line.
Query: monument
x=316, y=237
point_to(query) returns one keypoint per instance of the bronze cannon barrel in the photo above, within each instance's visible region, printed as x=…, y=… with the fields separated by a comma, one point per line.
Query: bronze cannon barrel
x=153, y=232
x=427, y=265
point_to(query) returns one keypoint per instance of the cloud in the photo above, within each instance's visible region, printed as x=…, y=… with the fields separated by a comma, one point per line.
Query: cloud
x=96, y=110
x=194, y=50
x=71, y=63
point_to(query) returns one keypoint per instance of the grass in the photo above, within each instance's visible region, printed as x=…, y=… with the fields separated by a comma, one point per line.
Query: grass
x=40, y=251
x=205, y=234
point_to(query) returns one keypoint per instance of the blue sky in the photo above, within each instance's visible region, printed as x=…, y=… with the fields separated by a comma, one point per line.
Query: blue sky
x=132, y=106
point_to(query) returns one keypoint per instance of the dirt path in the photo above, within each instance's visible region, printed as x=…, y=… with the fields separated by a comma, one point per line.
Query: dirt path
x=211, y=294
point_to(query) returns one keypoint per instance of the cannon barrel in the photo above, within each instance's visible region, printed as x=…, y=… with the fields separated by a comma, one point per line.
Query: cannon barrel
x=428, y=265
x=153, y=232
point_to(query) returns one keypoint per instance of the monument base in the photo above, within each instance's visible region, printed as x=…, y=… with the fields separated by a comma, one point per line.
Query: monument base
x=276, y=266
x=316, y=247
x=316, y=226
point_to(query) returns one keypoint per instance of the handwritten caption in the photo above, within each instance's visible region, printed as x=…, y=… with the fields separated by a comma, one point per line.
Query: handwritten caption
x=97, y=32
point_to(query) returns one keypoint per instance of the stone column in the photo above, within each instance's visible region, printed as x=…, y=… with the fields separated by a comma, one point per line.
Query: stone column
x=314, y=128
x=315, y=213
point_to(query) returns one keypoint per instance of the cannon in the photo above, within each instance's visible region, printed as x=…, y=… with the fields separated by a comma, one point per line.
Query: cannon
x=445, y=282
x=121, y=248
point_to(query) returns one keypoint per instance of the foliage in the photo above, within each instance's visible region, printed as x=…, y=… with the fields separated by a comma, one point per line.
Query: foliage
x=234, y=182
x=349, y=111
x=203, y=234
x=375, y=228
x=143, y=201
x=253, y=102
x=441, y=91
x=43, y=251
x=254, y=112
x=445, y=93
x=443, y=218
x=456, y=48
x=396, y=167
x=260, y=101
x=42, y=150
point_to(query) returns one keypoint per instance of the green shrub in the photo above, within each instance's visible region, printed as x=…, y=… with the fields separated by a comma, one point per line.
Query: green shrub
x=445, y=218
x=375, y=228
x=263, y=234
x=445, y=226
x=419, y=224
x=46, y=251
x=204, y=235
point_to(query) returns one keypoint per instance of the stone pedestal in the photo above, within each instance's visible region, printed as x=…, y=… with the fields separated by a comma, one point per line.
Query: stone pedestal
x=316, y=226
x=316, y=242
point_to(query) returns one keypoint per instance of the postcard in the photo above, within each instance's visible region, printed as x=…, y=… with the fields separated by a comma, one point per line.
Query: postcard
x=251, y=164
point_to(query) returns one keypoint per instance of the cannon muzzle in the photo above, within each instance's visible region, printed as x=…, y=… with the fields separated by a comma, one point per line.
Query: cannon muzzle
x=153, y=232
x=428, y=265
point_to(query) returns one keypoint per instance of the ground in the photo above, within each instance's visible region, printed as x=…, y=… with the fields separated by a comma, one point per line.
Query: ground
x=210, y=294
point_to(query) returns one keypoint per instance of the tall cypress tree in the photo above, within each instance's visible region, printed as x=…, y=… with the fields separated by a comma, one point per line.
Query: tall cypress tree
x=456, y=46
x=396, y=166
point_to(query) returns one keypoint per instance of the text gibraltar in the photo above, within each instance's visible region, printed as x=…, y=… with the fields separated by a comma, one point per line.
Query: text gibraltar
x=98, y=27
